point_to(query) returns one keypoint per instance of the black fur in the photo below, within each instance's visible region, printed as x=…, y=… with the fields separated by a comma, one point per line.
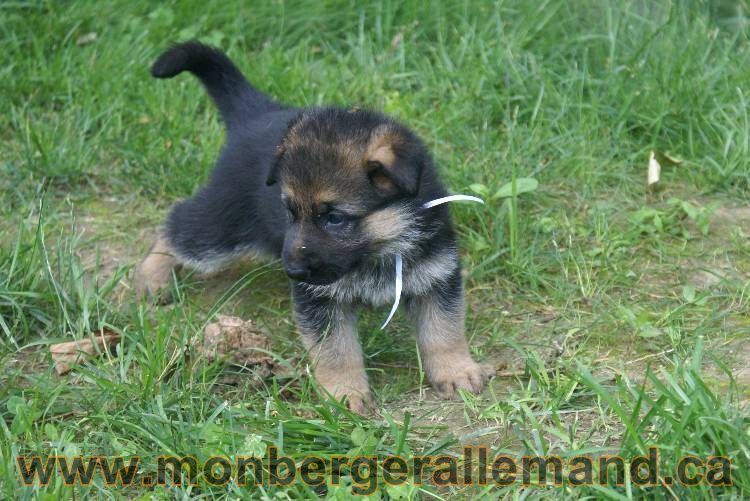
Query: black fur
x=234, y=96
x=236, y=212
x=314, y=314
x=262, y=197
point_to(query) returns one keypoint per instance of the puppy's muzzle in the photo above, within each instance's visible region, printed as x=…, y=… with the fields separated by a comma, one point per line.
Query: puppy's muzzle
x=310, y=273
x=298, y=271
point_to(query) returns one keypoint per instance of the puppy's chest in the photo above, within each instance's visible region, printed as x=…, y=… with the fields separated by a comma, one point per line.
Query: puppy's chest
x=375, y=284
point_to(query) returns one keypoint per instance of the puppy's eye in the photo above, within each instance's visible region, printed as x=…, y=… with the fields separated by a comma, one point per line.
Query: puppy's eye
x=333, y=220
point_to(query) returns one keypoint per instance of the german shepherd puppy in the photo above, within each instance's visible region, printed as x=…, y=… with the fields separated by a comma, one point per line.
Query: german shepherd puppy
x=336, y=194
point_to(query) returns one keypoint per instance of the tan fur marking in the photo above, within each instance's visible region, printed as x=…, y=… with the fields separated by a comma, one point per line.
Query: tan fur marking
x=153, y=275
x=350, y=154
x=288, y=191
x=386, y=224
x=384, y=155
x=445, y=352
x=381, y=146
x=299, y=196
x=325, y=196
x=307, y=198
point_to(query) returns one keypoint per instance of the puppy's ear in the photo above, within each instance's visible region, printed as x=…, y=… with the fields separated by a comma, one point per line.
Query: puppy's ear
x=393, y=162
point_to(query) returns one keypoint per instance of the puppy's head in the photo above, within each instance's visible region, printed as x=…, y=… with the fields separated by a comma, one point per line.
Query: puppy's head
x=347, y=179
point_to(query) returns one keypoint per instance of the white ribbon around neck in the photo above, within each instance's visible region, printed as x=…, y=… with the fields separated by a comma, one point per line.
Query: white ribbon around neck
x=399, y=260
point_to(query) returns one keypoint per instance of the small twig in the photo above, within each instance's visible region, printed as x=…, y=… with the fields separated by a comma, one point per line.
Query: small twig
x=665, y=352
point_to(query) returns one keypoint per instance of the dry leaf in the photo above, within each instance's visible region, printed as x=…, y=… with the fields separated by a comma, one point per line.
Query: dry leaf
x=654, y=169
x=656, y=160
x=86, y=39
x=67, y=354
x=666, y=158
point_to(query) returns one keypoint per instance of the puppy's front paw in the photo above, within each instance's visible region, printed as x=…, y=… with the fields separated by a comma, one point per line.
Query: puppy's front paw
x=460, y=374
x=352, y=389
x=362, y=404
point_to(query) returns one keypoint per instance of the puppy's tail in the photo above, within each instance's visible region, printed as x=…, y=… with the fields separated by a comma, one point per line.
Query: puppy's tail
x=236, y=99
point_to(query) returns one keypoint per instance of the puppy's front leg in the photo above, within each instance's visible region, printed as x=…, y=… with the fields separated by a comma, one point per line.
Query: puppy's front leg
x=439, y=319
x=329, y=333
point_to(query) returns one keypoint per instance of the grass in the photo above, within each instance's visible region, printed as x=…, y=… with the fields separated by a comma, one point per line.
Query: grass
x=616, y=315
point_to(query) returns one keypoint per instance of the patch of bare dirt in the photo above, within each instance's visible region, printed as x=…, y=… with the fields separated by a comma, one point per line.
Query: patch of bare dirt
x=717, y=264
x=103, y=253
x=736, y=357
x=732, y=217
x=711, y=271
x=728, y=221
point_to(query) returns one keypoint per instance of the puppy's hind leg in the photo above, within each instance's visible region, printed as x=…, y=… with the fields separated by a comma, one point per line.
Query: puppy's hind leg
x=205, y=233
x=154, y=273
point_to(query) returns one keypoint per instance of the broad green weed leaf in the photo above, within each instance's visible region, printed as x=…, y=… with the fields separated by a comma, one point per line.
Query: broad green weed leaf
x=523, y=185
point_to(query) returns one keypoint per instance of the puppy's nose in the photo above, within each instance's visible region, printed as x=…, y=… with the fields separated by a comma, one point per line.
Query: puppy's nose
x=297, y=271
